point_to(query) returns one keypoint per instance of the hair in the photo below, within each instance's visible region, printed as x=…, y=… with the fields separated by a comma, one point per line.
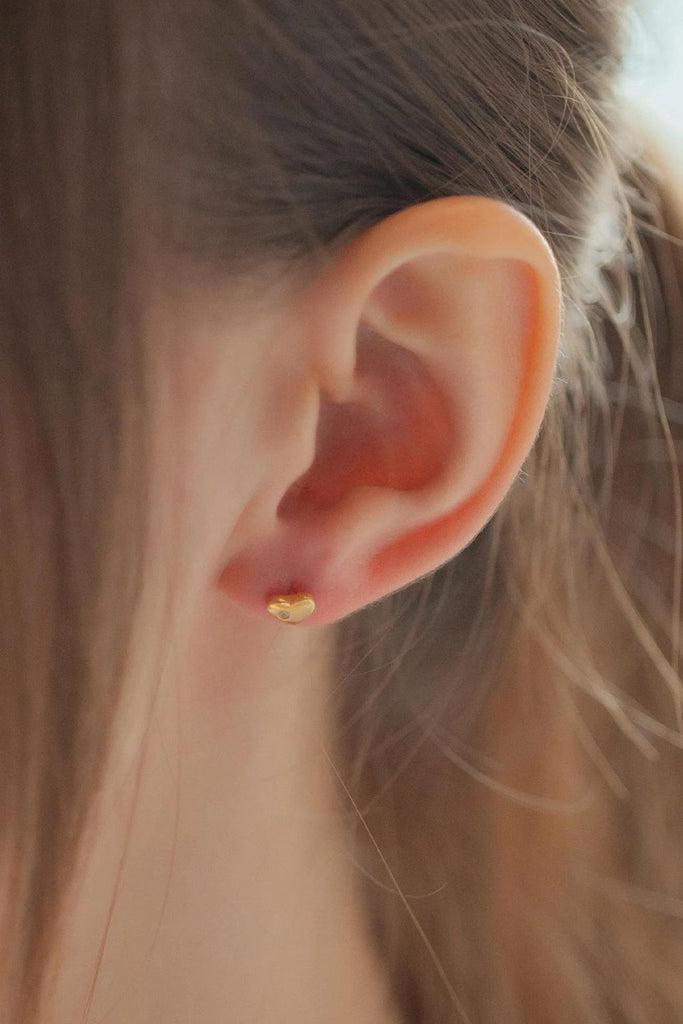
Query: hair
x=509, y=728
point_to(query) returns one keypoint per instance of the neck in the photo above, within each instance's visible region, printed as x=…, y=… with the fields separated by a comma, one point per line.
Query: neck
x=237, y=898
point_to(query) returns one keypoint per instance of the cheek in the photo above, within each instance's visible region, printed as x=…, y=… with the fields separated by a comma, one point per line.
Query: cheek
x=206, y=384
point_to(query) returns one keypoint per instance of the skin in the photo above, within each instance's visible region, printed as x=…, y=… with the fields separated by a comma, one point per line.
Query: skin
x=344, y=437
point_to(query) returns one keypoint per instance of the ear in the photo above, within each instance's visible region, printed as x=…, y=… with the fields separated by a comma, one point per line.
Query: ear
x=431, y=339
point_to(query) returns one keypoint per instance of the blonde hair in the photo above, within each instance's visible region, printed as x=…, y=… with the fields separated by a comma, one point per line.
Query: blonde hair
x=508, y=729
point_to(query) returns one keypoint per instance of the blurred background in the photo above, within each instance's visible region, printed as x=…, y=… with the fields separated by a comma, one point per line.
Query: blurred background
x=654, y=69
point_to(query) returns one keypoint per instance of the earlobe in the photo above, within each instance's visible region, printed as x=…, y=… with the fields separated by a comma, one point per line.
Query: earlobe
x=434, y=337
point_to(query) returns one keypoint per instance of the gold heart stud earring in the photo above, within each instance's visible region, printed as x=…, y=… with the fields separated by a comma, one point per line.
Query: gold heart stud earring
x=291, y=608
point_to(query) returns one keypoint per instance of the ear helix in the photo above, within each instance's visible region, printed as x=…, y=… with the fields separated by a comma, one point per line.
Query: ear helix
x=291, y=608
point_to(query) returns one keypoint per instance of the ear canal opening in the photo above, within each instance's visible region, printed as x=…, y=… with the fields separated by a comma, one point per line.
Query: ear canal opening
x=395, y=432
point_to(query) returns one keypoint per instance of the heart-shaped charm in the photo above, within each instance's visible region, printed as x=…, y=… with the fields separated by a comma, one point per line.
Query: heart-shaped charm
x=291, y=608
